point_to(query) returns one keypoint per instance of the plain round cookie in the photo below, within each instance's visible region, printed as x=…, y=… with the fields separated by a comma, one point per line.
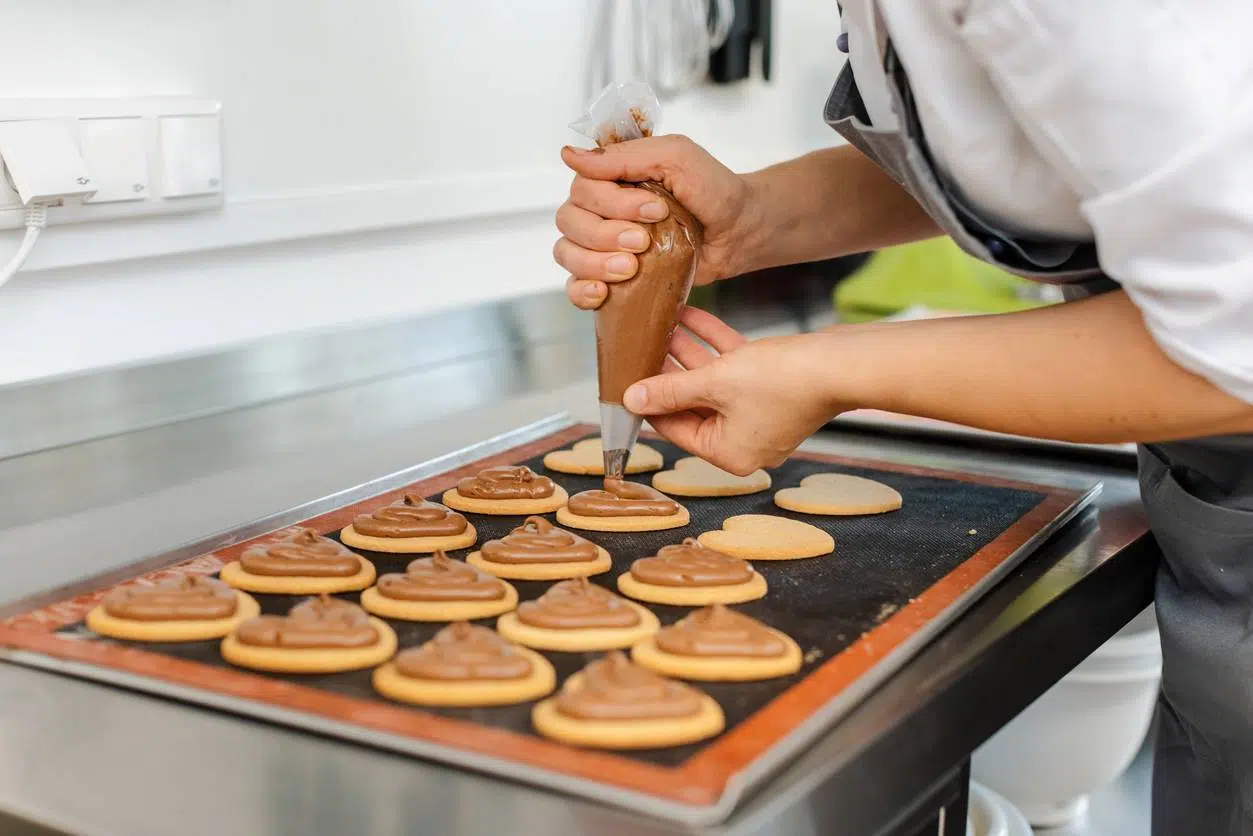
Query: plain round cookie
x=692, y=596
x=101, y=622
x=696, y=477
x=586, y=458
x=409, y=545
x=312, y=659
x=540, y=682
x=544, y=571
x=235, y=575
x=647, y=654
x=628, y=734
x=506, y=507
x=379, y=604
x=839, y=495
x=764, y=537
x=578, y=640
x=623, y=524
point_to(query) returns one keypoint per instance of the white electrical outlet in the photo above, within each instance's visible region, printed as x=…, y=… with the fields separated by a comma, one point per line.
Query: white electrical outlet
x=145, y=156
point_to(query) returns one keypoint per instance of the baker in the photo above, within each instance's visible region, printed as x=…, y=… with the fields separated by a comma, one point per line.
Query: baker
x=1105, y=146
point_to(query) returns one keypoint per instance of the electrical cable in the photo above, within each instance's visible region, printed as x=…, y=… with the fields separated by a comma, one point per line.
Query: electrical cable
x=36, y=219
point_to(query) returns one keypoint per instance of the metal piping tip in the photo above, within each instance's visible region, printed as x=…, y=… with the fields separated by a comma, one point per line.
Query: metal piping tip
x=618, y=431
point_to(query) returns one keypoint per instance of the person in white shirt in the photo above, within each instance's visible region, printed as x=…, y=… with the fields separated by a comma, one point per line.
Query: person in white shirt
x=1104, y=145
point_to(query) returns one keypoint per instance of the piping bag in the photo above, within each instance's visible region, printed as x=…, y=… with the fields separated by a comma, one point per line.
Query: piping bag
x=635, y=322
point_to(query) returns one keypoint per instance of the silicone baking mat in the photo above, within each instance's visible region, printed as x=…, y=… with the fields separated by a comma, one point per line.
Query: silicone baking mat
x=893, y=580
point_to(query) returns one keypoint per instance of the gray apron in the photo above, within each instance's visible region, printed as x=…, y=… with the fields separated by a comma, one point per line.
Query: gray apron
x=1198, y=496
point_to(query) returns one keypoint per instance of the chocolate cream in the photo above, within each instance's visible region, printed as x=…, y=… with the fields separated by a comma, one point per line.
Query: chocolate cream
x=322, y=622
x=691, y=564
x=613, y=688
x=463, y=652
x=637, y=318
x=440, y=578
x=577, y=604
x=411, y=516
x=518, y=482
x=306, y=554
x=539, y=541
x=718, y=631
x=622, y=499
x=189, y=598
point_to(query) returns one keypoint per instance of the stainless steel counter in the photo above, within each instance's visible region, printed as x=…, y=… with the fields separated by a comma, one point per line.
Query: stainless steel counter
x=90, y=759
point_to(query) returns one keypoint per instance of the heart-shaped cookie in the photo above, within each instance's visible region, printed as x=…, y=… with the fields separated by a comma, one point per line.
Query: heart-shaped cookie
x=839, y=495
x=696, y=477
x=763, y=537
x=585, y=458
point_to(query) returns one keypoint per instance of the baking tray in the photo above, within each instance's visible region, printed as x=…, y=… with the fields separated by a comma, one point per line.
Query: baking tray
x=894, y=582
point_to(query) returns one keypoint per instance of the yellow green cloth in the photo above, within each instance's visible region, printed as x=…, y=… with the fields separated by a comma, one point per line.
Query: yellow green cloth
x=935, y=274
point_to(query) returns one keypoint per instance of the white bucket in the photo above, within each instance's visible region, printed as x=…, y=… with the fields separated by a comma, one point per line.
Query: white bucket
x=1082, y=733
x=992, y=815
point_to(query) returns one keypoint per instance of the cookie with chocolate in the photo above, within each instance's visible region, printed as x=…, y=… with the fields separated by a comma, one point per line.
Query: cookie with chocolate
x=537, y=550
x=688, y=574
x=505, y=491
x=466, y=666
x=304, y=563
x=409, y=525
x=185, y=609
x=438, y=588
x=576, y=616
x=717, y=644
x=615, y=704
x=623, y=506
x=319, y=635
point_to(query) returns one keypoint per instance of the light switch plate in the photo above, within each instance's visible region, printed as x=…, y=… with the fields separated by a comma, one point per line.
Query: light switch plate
x=120, y=163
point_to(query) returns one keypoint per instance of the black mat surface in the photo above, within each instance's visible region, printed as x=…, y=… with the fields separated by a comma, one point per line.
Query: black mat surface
x=826, y=603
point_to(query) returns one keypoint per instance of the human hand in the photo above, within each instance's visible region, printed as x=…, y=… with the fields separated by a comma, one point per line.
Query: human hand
x=747, y=406
x=604, y=224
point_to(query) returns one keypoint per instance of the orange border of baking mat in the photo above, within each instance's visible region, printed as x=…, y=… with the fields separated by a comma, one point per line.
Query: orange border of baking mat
x=700, y=780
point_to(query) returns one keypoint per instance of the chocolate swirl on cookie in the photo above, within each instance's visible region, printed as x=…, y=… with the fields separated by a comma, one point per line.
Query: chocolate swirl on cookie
x=622, y=499
x=462, y=651
x=305, y=554
x=691, y=564
x=411, y=516
x=189, y=598
x=613, y=688
x=539, y=541
x=510, y=482
x=718, y=631
x=439, y=578
x=577, y=604
x=322, y=622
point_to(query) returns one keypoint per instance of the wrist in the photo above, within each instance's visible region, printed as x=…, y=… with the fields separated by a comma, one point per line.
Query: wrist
x=752, y=233
x=841, y=365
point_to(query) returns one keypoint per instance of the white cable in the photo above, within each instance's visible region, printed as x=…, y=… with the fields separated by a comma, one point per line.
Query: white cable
x=36, y=219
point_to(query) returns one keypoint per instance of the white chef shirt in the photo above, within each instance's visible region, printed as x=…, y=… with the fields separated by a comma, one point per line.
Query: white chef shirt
x=1125, y=122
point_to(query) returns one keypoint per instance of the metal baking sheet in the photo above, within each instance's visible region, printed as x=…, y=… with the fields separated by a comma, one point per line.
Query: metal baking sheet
x=894, y=582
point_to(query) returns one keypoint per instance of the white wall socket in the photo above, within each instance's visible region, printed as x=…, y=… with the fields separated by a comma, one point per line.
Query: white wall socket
x=146, y=156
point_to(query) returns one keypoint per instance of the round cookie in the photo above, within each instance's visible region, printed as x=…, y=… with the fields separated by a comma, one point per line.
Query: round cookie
x=577, y=616
x=539, y=551
x=506, y=491
x=716, y=644
x=438, y=588
x=586, y=458
x=320, y=635
x=691, y=575
x=839, y=495
x=466, y=666
x=615, y=704
x=623, y=506
x=765, y=537
x=303, y=563
x=185, y=609
x=696, y=477
x=411, y=525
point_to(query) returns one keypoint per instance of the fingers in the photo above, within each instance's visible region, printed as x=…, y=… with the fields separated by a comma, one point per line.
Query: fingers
x=687, y=350
x=653, y=158
x=669, y=393
x=592, y=232
x=608, y=199
x=712, y=330
x=587, y=265
x=685, y=429
x=586, y=295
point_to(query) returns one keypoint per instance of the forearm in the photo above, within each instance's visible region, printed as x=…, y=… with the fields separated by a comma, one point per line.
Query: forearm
x=1086, y=372
x=829, y=203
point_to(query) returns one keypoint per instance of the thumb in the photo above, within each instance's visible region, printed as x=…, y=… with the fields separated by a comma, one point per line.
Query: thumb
x=671, y=392
x=633, y=161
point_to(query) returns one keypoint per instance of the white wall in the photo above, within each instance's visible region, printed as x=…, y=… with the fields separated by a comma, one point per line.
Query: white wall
x=383, y=158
